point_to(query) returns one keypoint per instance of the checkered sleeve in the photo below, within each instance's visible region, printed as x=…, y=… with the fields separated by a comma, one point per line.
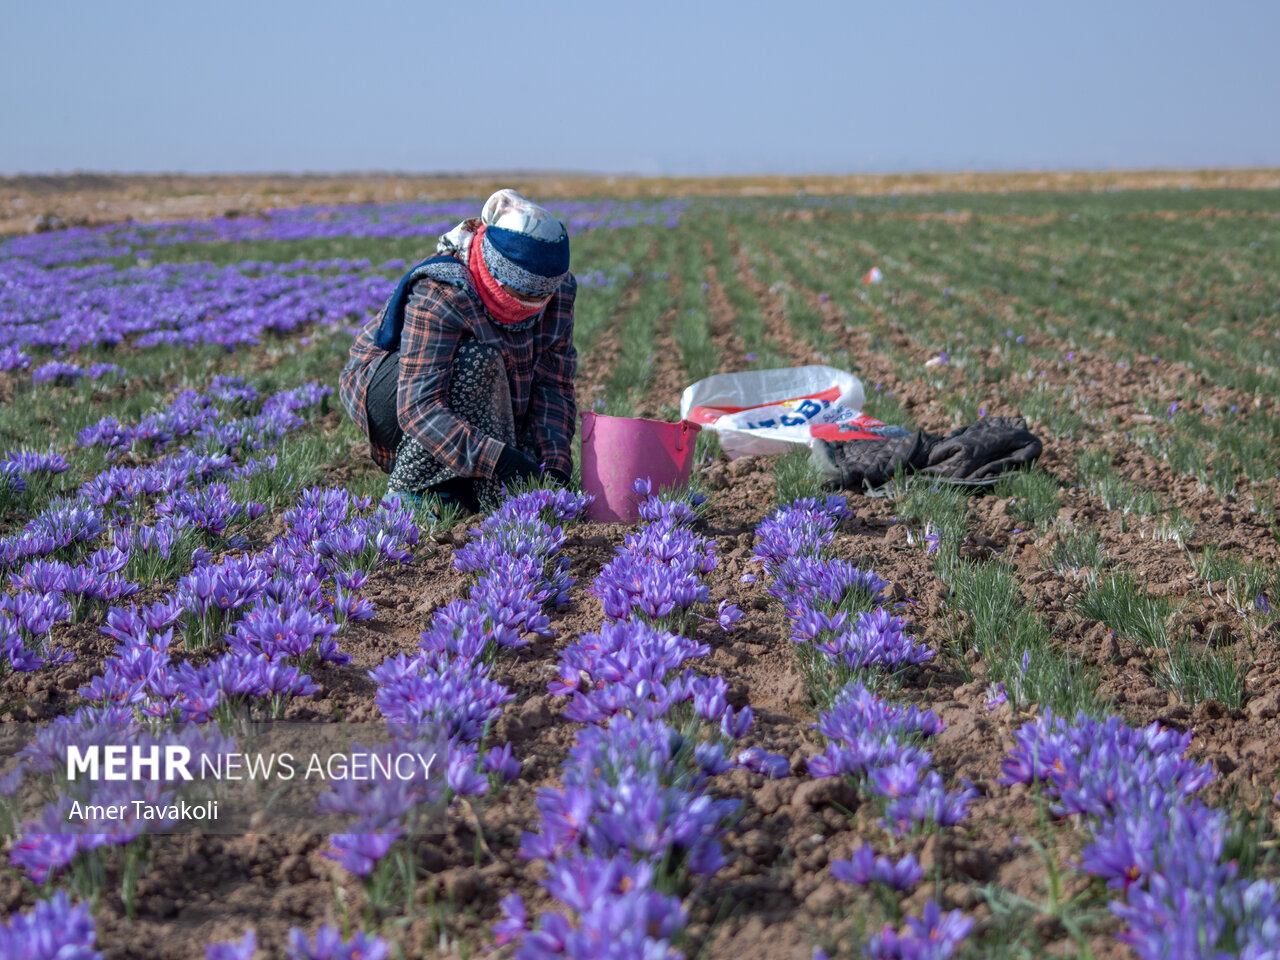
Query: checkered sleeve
x=353, y=386
x=553, y=409
x=433, y=328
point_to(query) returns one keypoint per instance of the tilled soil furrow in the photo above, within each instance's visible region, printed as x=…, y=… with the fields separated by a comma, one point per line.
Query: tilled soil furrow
x=723, y=334
x=779, y=329
x=596, y=360
x=667, y=376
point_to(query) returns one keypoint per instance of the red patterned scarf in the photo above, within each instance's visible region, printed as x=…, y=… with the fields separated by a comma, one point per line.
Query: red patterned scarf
x=501, y=305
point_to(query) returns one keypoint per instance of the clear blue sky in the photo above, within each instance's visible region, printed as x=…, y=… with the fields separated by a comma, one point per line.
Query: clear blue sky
x=699, y=86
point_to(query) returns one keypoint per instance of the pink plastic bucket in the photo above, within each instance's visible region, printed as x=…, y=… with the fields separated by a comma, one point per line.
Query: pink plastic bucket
x=617, y=450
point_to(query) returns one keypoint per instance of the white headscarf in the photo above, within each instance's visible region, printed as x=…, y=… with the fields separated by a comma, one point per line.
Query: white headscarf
x=508, y=210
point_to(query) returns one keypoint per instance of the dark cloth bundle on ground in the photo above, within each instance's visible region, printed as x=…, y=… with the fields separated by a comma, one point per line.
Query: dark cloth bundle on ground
x=976, y=454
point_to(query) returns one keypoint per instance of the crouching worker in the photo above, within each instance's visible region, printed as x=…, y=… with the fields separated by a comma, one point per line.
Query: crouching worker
x=464, y=384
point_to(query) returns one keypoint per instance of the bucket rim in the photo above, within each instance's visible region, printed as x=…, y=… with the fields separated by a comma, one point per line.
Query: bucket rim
x=583, y=414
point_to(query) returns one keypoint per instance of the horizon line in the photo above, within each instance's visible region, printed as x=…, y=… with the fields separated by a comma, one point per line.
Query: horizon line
x=553, y=173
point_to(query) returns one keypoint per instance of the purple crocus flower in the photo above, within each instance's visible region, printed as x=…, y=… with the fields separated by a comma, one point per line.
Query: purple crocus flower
x=996, y=695
x=865, y=868
x=931, y=937
x=499, y=760
x=329, y=945
x=758, y=760
x=462, y=776
x=242, y=949
x=930, y=803
x=54, y=930
x=514, y=922
x=735, y=725
x=359, y=853
x=728, y=615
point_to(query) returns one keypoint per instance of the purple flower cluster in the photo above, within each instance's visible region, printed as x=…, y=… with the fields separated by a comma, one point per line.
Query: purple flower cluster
x=62, y=373
x=265, y=429
x=327, y=944
x=630, y=668
x=618, y=915
x=12, y=358
x=283, y=608
x=183, y=305
x=31, y=463
x=513, y=550
x=836, y=609
x=68, y=527
x=309, y=222
x=62, y=530
x=211, y=509
x=242, y=949
x=813, y=583
x=869, y=641
x=933, y=936
x=657, y=574
x=448, y=680
x=632, y=818
x=192, y=414
x=1151, y=839
x=865, y=868
x=514, y=558
x=803, y=529
x=279, y=612
x=60, y=576
x=873, y=740
x=867, y=738
x=635, y=788
x=132, y=487
x=47, y=586
x=41, y=601
x=54, y=930
x=632, y=803
x=837, y=612
x=47, y=302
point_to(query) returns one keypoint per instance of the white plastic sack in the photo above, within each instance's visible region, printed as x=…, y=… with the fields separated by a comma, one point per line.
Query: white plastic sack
x=765, y=412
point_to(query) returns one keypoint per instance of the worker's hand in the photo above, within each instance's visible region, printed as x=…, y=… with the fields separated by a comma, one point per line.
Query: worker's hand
x=515, y=466
x=559, y=476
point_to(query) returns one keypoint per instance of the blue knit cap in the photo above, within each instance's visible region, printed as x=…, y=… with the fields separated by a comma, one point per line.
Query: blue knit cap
x=524, y=246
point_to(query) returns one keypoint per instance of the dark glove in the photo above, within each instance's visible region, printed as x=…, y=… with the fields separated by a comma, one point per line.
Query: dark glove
x=853, y=464
x=559, y=476
x=989, y=447
x=515, y=466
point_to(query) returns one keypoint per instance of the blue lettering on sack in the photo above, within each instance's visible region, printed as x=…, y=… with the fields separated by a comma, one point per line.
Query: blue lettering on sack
x=810, y=408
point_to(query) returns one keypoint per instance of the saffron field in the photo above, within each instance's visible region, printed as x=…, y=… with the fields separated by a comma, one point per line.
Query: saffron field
x=769, y=720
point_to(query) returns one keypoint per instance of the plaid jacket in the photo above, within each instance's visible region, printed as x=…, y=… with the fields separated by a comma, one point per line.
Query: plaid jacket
x=541, y=364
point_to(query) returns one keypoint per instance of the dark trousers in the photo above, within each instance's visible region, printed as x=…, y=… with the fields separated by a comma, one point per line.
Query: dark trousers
x=481, y=399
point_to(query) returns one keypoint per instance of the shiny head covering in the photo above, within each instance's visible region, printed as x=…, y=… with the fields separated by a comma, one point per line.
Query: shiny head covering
x=524, y=246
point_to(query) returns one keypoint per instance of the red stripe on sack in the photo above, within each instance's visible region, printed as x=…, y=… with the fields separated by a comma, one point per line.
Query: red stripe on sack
x=711, y=414
x=836, y=431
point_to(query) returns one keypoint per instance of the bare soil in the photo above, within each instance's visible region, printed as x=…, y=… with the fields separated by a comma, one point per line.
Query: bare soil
x=776, y=898
x=93, y=198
